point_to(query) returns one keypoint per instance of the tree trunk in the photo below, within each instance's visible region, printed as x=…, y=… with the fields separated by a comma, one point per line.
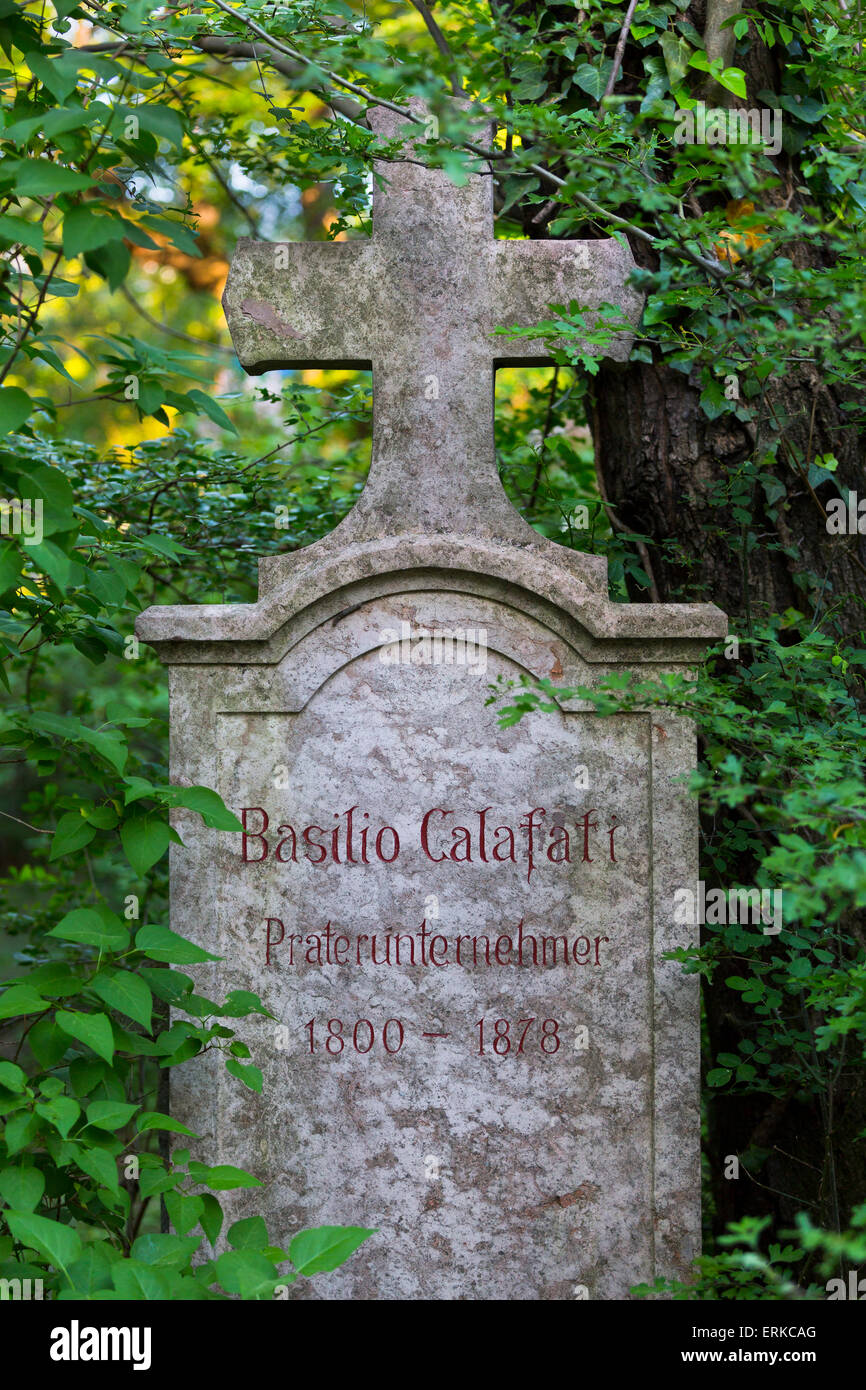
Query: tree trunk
x=660, y=461
x=664, y=468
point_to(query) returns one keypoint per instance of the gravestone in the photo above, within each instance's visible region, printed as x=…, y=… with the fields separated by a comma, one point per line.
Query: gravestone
x=479, y=1049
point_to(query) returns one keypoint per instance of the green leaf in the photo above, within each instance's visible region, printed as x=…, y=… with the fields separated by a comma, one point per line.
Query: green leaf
x=15, y=407
x=13, y=1077
x=159, y=120
x=593, y=79
x=249, y=1234
x=22, y=1188
x=153, y=1181
x=110, y=744
x=21, y=999
x=110, y=1114
x=39, y=178
x=700, y=61
x=209, y=805
x=126, y=992
x=10, y=567
x=92, y=1029
x=137, y=788
x=85, y=1074
x=210, y=408
x=246, y=1273
x=675, y=52
x=719, y=1076
x=130, y=575
x=164, y=545
x=18, y=229
x=154, y=1119
x=250, y=1075
x=183, y=1211
x=107, y=586
x=241, y=1002
x=528, y=76
x=55, y=978
x=57, y=1243
x=225, y=1178
x=145, y=840
x=137, y=1281
x=73, y=832
x=58, y=500
x=19, y=1131
x=162, y=944
x=800, y=967
x=183, y=237
x=111, y=261
x=93, y=1270
x=733, y=80
x=805, y=109
x=324, y=1248
x=53, y=561
x=86, y=230
x=165, y=1251
x=211, y=1218
x=58, y=77
x=47, y=1043
x=93, y=926
x=713, y=400
x=99, y=1165
x=51, y=123
x=169, y=985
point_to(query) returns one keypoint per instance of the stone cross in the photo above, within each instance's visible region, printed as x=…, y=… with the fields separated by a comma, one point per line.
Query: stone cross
x=478, y=1046
x=417, y=302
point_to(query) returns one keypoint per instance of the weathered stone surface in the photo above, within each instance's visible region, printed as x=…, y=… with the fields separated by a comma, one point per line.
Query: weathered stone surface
x=532, y=1174
x=418, y=303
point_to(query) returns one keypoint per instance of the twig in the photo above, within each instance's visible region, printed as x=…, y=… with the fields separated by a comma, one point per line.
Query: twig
x=229, y=49
x=203, y=154
x=710, y=267
x=441, y=43
x=34, y=313
x=307, y=63
x=544, y=212
x=24, y=822
x=166, y=328
x=548, y=419
x=620, y=50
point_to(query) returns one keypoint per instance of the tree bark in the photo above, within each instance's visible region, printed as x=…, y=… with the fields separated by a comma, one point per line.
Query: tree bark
x=664, y=467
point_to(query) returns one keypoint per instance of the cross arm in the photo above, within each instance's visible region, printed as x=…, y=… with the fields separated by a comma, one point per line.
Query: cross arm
x=530, y=274
x=295, y=304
